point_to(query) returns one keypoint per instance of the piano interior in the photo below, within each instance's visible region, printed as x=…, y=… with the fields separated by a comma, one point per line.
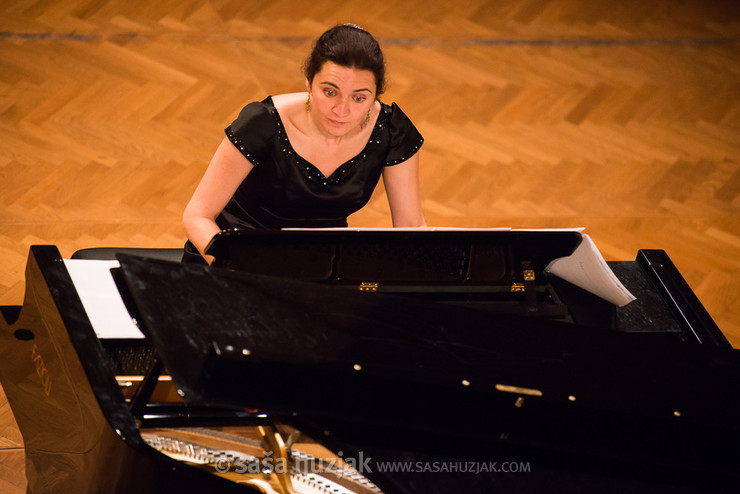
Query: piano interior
x=368, y=362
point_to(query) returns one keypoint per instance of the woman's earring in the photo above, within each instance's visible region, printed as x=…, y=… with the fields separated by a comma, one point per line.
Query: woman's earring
x=367, y=119
x=308, y=104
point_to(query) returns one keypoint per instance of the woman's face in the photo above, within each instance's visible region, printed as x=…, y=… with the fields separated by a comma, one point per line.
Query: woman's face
x=341, y=98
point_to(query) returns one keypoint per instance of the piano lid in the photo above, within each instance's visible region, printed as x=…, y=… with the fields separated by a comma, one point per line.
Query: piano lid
x=288, y=346
x=374, y=370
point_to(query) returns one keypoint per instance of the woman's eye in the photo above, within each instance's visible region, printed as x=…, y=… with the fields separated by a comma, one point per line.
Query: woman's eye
x=359, y=99
x=329, y=92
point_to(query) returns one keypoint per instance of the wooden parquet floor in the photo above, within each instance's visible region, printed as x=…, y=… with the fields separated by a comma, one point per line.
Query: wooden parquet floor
x=622, y=117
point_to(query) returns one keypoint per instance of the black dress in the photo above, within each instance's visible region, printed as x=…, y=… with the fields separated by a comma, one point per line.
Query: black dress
x=284, y=190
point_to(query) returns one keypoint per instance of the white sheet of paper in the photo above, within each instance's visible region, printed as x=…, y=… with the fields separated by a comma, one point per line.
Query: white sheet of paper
x=586, y=268
x=100, y=298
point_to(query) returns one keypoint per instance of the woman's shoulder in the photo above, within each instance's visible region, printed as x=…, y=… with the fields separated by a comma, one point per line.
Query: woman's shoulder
x=394, y=116
x=405, y=138
x=269, y=113
x=254, y=129
x=288, y=105
x=253, y=113
x=269, y=106
x=392, y=110
x=290, y=109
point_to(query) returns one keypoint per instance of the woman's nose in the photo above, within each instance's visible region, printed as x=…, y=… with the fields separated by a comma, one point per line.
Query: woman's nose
x=341, y=107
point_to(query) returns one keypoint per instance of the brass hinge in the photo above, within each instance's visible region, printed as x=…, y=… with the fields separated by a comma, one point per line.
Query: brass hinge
x=367, y=286
x=517, y=287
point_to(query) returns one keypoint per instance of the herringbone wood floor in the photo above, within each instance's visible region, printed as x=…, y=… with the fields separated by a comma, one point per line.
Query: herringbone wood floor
x=622, y=117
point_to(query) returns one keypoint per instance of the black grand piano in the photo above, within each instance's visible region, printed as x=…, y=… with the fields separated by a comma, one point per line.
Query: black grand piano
x=367, y=361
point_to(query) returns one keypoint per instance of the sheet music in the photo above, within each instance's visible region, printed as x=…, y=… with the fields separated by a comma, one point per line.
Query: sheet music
x=100, y=298
x=586, y=268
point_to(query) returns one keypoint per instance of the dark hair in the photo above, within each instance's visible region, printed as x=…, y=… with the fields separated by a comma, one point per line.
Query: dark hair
x=350, y=46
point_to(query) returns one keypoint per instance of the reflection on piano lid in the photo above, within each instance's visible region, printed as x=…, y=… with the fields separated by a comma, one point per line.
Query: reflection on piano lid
x=438, y=359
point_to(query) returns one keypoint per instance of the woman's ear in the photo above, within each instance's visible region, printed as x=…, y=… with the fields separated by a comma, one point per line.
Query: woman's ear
x=308, y=86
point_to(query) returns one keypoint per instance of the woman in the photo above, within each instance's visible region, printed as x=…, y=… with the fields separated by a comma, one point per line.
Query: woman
x=312, y=159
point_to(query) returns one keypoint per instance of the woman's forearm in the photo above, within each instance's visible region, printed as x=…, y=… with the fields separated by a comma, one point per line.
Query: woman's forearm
x=228, y=168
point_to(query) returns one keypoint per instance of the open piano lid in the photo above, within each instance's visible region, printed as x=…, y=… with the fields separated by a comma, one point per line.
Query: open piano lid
x=226, y=335
x=238, y=338
x=285, y=345
x=402, y=378
x=383, y=371
x=263, y=340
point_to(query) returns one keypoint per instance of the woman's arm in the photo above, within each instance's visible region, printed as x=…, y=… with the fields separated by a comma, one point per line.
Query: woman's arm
x=227, y=170
x=402, y=188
